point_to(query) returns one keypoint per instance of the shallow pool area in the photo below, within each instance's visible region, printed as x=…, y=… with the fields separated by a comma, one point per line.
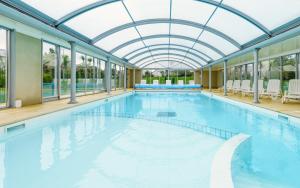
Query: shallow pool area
x=94, y=145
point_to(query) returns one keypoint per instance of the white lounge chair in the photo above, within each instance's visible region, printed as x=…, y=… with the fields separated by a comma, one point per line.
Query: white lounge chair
x=168, y=82
x=236, y=87
x=260, y=88
x=293, y=91
x=245, y=87
x=229, y=85
x=143, y=82
x=191, y=82
x=273, y=89
x=180, y=82
x=155, y=82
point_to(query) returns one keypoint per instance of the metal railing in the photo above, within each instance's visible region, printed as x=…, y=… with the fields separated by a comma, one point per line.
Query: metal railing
x=220, y=133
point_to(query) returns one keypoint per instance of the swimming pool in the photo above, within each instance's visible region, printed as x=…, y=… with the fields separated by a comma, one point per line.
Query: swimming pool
x=83, y=147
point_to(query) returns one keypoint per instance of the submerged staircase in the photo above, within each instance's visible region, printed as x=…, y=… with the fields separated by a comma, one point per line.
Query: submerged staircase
x=221, y=133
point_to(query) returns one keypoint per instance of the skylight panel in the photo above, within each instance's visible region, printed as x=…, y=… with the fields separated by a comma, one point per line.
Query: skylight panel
x=234, y=26
x=207, y=51
x=99, y=20
x=153, y=29
x=189, y=31
x=270, y=13
x=130, y=48
x=148, y=9
x=116, y=39
x=57, y=9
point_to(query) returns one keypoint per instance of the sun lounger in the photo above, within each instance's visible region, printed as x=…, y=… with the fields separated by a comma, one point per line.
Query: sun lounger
x=293, y=91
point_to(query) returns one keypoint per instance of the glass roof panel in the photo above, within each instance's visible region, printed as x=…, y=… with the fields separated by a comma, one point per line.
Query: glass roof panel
x=207, y=51
x=191, y=10
x=155, y=41
x=137, y=59
x=153, y=29
x=218, y=42
x=99, y=20
x=57, y=9
x=196, y=58
x=148, y=9
x=184, y=30
x=117, y=39
x=182, y=42
x=242, y=31
x=124, y=51
x=278, y=12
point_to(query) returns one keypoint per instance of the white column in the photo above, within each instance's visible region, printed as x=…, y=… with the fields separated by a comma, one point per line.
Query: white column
x=255, y=75
x=125, y=78
x=73, y=73
x=12, y=69
x=209, y=78
x=225, y=78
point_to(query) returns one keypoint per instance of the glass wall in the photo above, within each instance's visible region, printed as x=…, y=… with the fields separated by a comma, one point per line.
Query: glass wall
x=90, y=72
x=99, y=77
x=121, y=77
x=65, y=72
x=189, y=76
x=118, y=72
x=3, y=68
x=173, y=76
x=113, y=76
x=80, y=73
x=289, y=68
x=49, y=70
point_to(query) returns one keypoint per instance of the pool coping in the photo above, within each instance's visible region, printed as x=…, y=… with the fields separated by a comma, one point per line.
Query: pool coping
x=221, y=173
x=258, y=109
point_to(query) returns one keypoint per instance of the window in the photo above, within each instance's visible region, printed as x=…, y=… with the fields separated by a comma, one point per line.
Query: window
x=189, y=76
x=90, y=71
x=99, y=77
x=121, y=77
x=249, y=71
x=173, y=76
x=264, y=72
x=113, y=76
x=275, y=68
x=3, y=68
x=288, y=70
x=181, y=75
x=49, y=70
x=65, y=72
x=80, y=73
x=146, y=76
x=117, y=76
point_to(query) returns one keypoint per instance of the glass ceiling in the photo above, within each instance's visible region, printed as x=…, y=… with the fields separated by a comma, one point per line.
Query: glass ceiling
x=170, y=33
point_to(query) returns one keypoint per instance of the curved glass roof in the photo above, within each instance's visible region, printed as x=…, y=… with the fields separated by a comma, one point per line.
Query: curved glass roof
x=170, y=33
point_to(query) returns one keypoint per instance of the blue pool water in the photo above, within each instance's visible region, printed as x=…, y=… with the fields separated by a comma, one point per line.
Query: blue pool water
x=83, y=148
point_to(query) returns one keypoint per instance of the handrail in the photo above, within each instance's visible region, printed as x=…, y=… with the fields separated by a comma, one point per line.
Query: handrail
x=221, y=133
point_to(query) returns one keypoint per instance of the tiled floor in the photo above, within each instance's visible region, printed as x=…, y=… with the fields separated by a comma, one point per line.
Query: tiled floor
x=291, y=108
x=12, y=115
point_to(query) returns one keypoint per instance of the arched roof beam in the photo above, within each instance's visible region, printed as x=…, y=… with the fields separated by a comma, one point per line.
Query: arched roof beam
x=167, y=36
x=167, y=44
x=170, y=58
x=100, y=3
x=179, y=62
x=168, y=21
x=171, y=54
x=174, y=49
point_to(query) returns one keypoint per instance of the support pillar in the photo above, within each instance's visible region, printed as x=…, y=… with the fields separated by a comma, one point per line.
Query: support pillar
x=12, y=69
x=225, y=78
x=73, y=73
x=255, y=76
x=125, y=78
x=209, y=78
